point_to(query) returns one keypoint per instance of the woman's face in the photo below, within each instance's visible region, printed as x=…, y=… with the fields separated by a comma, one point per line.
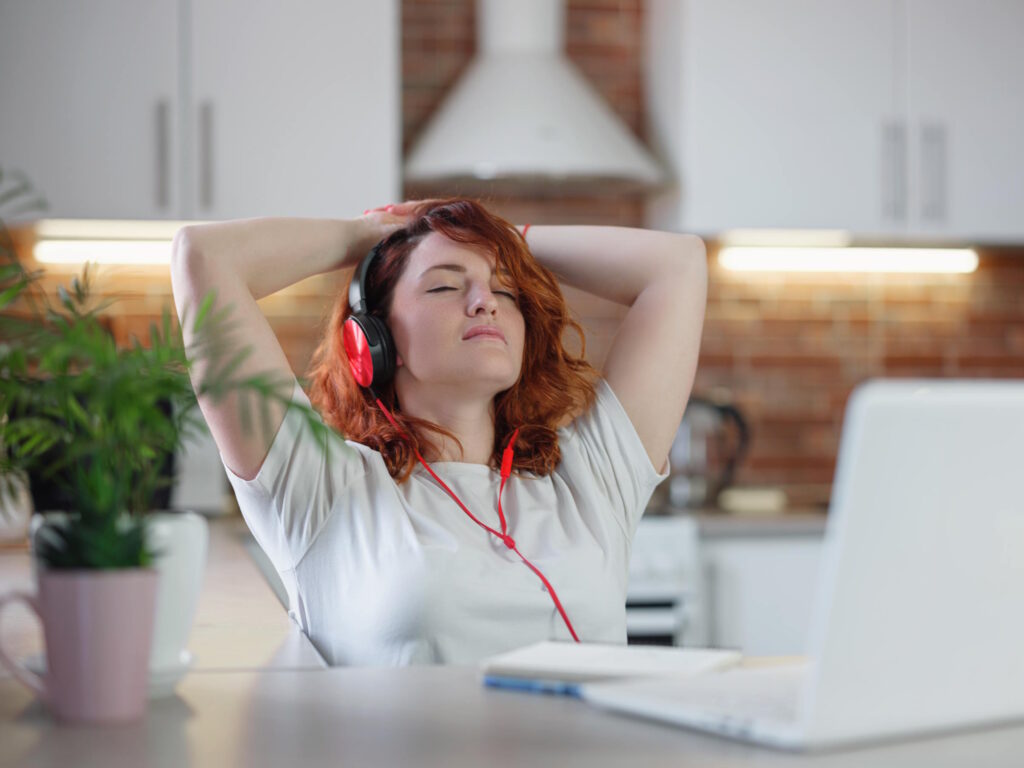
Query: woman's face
x=446, y=290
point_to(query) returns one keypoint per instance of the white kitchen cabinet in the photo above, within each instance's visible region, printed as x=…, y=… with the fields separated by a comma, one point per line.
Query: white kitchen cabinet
x=761, y=591
x=772, y=114
x=174, y=109
x=964, y=116
x=894, y=119
x=89, y=104
x=296, y=107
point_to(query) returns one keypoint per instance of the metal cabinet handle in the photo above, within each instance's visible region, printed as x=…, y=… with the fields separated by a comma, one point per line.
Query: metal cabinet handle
x=887, y=166
x=894, y=176
x=163, y=138
x=900, y=195
x=933, y=171
x=206, y=155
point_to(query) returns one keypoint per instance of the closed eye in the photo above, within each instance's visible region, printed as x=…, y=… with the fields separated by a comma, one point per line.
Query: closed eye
x=450, y=288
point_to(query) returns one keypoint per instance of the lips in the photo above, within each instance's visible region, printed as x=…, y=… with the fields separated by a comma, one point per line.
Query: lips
x=484, y=330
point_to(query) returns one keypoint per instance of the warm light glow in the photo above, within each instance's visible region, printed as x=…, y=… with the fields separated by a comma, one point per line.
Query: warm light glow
x=76, y=241
x=931, y=260
x=107, y=229
x=103, y=251
x=824, y=238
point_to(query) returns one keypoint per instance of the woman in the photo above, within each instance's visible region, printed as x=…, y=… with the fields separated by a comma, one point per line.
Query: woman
x=494, y=482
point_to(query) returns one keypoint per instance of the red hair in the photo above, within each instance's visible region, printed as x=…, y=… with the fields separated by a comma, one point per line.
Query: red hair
x=552, y=383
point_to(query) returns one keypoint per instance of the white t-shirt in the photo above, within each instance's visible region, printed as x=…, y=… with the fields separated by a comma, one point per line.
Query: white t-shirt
x=384, y=574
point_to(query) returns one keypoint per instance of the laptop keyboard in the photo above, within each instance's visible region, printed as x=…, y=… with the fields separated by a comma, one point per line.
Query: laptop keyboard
x=768, y=693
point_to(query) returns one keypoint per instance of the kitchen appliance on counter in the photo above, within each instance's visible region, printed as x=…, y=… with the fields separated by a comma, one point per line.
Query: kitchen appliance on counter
x=712, y=441
x=667, y=600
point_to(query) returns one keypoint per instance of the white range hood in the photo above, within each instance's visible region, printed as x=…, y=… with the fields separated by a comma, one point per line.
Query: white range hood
x=522, y=117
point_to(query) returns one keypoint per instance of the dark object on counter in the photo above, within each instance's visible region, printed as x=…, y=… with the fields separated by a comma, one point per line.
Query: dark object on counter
x=712, y=441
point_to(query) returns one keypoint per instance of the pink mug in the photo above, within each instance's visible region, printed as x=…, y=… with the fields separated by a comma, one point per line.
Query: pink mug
x=98, y=629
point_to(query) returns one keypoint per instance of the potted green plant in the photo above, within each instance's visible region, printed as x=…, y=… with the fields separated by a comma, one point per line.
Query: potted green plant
x=80, y=411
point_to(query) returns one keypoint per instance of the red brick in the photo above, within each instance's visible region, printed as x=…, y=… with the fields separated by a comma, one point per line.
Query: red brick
x=999, y=366
x=796, y=362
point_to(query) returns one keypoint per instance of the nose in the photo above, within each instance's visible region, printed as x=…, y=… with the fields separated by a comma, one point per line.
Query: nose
x=483, y=299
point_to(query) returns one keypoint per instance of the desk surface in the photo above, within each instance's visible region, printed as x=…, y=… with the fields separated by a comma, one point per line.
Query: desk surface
x=414, y=716
x=261, y=695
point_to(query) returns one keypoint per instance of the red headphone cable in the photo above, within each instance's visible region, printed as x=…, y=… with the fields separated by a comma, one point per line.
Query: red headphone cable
x=506, y=471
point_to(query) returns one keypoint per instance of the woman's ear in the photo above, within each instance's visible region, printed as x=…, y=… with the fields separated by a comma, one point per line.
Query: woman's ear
x=398, y=361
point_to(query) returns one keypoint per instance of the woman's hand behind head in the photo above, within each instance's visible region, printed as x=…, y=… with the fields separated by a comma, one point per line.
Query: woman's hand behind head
x=403, y=211
x=382, y=222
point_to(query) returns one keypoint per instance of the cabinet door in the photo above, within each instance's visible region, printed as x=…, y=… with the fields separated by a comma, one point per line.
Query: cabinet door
x=88, y=95
x=762, y=591
x=966, y=109
x=785, y=109
x=296, y=108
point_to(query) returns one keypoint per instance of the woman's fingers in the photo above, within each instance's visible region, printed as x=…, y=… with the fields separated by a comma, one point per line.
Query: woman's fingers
x=400, y=209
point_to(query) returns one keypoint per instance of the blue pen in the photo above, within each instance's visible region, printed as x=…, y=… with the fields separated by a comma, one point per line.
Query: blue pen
x=533, y=686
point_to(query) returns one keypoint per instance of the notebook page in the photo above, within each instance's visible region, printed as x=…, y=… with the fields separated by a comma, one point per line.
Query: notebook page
x=567, y=661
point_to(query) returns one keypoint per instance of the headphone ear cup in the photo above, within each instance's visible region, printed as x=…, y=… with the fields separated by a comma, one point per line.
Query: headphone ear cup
x=383, y=351
x=370, y=350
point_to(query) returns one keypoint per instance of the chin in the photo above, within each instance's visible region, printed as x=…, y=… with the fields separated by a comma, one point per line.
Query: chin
x=496, y=380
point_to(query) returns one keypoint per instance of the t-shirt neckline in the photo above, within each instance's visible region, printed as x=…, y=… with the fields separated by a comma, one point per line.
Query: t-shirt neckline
x=460, y=466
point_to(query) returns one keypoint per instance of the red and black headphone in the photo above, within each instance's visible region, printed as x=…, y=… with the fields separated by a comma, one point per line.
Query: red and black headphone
x=370, y=350
x=368, y=343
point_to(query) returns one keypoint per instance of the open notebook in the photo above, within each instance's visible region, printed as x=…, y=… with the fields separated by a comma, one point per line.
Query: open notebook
x=557, y=667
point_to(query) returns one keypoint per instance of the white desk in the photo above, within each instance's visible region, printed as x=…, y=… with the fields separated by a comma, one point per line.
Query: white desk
x=416, y=717
x=261, y=696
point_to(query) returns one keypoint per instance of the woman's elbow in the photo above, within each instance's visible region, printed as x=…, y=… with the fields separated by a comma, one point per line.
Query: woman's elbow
x=184, y=242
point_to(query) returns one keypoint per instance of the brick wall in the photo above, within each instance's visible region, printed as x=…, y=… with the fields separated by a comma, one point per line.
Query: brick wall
x=790, y=349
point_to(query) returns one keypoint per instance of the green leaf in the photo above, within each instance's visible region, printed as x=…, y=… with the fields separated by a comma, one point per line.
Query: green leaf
x=10, y=270
x=10, y=294
x=78, y=413
x=204, y=310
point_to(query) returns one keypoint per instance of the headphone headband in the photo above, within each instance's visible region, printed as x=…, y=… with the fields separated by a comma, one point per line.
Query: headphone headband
x=357, y=288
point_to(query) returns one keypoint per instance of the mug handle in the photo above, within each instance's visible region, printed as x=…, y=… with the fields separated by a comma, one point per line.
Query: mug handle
x=22, y=673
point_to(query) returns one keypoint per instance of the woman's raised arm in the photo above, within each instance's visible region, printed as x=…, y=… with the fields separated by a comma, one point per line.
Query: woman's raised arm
x=242, y=261
x=662, y=278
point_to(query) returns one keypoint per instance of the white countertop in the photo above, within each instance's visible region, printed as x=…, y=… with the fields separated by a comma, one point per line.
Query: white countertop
x=719, y=524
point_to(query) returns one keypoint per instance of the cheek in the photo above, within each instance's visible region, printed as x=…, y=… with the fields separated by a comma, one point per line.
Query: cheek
x=521, y=333
x=417, y=328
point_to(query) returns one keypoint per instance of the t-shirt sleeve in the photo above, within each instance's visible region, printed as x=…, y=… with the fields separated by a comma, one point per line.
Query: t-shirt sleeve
x=292, y=495
x=612, y=453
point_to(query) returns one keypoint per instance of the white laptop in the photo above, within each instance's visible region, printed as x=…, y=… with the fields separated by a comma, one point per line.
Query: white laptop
x=919, y=621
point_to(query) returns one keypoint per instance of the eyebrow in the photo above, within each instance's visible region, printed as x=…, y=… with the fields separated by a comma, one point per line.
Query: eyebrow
x=460, y=268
